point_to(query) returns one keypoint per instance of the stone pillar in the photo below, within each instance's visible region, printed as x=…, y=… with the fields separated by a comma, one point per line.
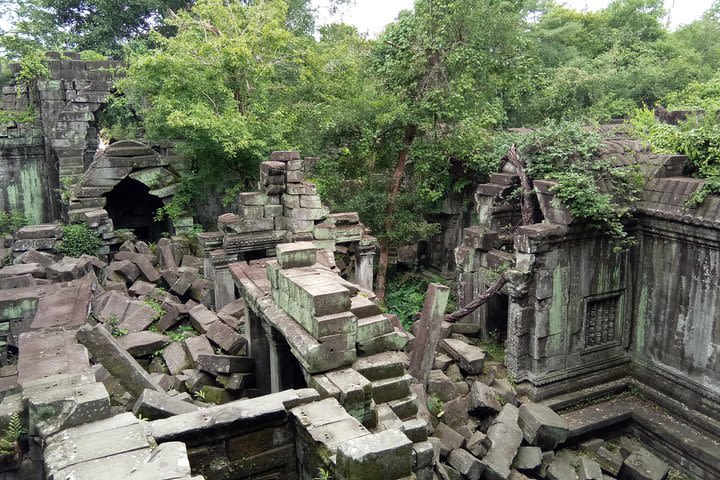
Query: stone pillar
x=428, y=332
x=517, y=348
x=224, y=285
x=259, y=349
x=208, y=242
x=281, y=362
x=364, y=263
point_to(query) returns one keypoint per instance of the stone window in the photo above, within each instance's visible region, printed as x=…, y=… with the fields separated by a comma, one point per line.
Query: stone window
x=600, y=320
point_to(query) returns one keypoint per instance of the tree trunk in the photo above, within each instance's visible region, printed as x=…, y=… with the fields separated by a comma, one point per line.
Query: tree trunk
x=478, y=302
x=393, y=190
x=526, y=205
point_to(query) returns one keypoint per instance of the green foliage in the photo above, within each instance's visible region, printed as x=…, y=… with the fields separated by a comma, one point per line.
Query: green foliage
x=711, y=187
x=10, y=436
x=155, y=305
x=11, y=222
x=565, y=152
x=113, y=321
x=181, y=333
x=493, y=347
x=33, y=66
x=11, y=116
x=78, y=240
x=435, y=406
x=406, y=294
x=323, y=474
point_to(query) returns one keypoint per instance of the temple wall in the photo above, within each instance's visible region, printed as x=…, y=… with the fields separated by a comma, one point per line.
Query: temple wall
x=676, y=335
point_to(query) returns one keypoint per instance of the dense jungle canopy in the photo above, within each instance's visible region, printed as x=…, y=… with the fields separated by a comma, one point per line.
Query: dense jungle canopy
x=400, y=120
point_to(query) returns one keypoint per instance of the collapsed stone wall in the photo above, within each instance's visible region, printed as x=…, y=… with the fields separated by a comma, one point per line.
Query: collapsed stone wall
x=48, y=154
x=579, y=313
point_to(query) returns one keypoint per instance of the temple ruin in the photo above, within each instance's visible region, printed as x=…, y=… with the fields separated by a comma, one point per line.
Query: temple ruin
x=259, y=351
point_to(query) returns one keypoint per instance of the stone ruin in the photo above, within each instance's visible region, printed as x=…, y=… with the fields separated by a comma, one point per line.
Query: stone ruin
x=260, y=352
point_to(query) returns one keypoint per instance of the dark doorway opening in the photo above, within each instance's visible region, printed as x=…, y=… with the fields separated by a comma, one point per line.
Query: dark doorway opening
x=497, y=316
x=130, y=205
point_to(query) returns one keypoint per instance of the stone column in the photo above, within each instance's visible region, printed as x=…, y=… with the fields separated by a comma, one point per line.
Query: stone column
x=281, y=362
x=259, y=349
x=364, y=262
x=224, y=286
x=209, y=241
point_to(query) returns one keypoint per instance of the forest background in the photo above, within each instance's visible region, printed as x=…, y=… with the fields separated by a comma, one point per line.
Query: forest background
x=398, y=121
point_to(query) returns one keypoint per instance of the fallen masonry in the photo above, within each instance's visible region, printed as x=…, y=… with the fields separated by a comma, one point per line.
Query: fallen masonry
x=264, y=354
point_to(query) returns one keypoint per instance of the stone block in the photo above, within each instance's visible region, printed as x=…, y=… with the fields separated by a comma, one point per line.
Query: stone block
x=19, y=281
x=225, y=364
x=296, y=255
x=483, y=400
x=528, y=458
x=469, y=358
x=465, y=463
x=138, y=317
x=197, y=346
x=386, y=455
x=389, y=389
x=284, y=156
x=383, y=343
x=449, y=438
x=370, y=327
x=643, y=465
x=225, y=337
x=505, y=438
x=140, y=344
x=381, y=366
x=202, y=318
x=126, y=370
x=58, y=407
x=176, y=358
x=589, y=470
x=152, y=405
x=541, y=426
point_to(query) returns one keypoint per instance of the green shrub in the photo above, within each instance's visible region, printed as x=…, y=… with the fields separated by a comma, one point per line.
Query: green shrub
x=79, y=240
x=405, y=296
x=12, y=222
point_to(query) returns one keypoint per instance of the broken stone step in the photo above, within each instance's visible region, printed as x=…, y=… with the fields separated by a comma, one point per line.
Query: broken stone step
x=469, y=358
x=370, y=327
x=381, y=366
x=390, y=389
x=153, y=405
x=406, y=407
x=363, y=307
x=225, y=364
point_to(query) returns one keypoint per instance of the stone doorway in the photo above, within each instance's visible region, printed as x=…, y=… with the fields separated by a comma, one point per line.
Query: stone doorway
x=130, y=205
x=497, y=317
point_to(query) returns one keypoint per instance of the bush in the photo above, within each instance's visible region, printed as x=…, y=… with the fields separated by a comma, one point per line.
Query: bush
x=406, y=294
x=12, y=222
x=79, y=240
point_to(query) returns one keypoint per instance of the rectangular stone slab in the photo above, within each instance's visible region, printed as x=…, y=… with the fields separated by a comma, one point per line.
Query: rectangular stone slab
x=116, y=360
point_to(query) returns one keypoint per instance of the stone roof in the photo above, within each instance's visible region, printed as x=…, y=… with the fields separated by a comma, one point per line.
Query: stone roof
x=667, y=197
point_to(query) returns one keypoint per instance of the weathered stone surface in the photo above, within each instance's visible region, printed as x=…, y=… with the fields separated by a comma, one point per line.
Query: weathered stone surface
x=296, y=255
x=483, y=400
x=153, y=405
x=387, y=455
x=589, y=470
x=142, y=262
x=197, y=346
x=176, y=358
x=116, y=360
x=541, y=426
x=47, y=353
x=126, y=269
x=201, y=318
x=527, y=458
x=139, y=344
x=505, y=438
x=64, y=401
x=225, y=364
x=225, y=337
x=468, y=357
x=465, y=463
x=450, y=439
x=643, y=465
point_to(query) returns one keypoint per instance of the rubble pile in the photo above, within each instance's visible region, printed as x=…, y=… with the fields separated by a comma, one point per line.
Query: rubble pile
x=152, y=307
x=481, y=429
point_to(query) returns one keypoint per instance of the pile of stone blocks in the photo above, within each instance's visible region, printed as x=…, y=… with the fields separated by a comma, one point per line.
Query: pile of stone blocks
x=40, y=238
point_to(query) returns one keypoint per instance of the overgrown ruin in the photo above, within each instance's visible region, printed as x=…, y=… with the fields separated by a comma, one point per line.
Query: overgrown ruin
x=260, y=352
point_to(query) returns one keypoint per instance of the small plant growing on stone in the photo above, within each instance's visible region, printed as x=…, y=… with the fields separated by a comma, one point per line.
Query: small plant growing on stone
x=322, y=474
x=201, y=395
x=10, y=436
x=435, y=406
x=181, y=333
x=116, y=332
x=155, y=305
x=141, y=418
x=78, y=240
